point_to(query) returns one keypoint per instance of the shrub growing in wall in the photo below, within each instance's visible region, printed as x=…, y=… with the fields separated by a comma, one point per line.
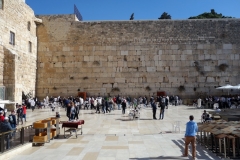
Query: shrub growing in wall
x=148, y=88
x=181, y=88
x=115, y=89
x=223, y=67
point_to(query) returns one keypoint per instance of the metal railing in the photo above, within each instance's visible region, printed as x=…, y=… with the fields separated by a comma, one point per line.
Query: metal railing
x=12, y=139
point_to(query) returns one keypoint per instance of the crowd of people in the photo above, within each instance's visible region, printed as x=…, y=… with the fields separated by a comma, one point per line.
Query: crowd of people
x=224, y=101
x=73, y=105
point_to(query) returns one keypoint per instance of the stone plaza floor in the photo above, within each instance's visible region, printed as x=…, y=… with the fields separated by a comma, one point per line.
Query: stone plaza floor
x=113, y=136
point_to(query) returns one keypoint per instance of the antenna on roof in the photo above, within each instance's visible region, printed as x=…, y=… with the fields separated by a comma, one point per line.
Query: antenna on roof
x=77, y=13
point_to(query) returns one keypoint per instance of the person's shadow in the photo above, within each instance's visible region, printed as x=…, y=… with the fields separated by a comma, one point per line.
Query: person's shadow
x=201, y=153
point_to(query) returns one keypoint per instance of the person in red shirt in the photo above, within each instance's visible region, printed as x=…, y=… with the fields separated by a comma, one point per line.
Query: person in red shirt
x=1, y=117
x=24, y=107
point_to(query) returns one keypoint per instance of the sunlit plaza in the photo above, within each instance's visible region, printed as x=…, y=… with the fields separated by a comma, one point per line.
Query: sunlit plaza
x=113, y=136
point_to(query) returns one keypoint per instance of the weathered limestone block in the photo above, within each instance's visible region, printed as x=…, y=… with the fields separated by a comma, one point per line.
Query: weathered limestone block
x=174, y=47
x=237, y=56
x=120, y=80
x=227, y=46
x=210, y=79
x=124, y=53
x=151, y=69
x=58, y=64
x=86, y=58
x=227, y=51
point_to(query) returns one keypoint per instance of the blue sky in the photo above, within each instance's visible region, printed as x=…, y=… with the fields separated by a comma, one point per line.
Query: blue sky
x=143, y=9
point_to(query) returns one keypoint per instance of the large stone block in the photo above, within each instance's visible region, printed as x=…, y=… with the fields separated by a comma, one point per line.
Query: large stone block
x=151, y=69
x=227, y=46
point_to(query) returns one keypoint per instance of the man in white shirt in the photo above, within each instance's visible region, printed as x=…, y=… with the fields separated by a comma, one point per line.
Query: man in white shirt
x=32, y=102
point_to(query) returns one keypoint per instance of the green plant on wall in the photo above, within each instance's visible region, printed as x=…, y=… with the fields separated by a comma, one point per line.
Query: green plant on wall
x=125, y=58
x=115, y=89
x=97, y=63
x=84, y=78
x=223, y=67
x=148, y=88
x=198, y=68
x=181, y=88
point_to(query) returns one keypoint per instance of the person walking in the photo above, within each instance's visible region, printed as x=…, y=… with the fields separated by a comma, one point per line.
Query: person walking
x=33, y=104
x=12, y=119
x=72, y=111
x=98, y=107
x=68, y=109
x=119, y=101
x=107, y=106
x=124, y=105
x=1, y=116
x=162, y=106
x=154, y=108
x=5, y=127
x=19, y=114
x=110, y=102
x=76, y=111
x=190, y=137
x=24, y=108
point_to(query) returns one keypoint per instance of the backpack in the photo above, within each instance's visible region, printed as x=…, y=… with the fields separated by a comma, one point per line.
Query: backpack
x=10, y=117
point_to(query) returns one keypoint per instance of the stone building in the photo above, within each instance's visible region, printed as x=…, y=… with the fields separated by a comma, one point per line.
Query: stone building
x=18, y=48
x=184, y=57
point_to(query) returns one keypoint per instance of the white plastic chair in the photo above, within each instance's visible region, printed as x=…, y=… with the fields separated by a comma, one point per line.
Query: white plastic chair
x=176, y=126
x=215, y=106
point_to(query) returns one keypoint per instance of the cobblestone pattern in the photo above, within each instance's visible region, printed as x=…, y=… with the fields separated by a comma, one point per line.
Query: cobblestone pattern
x=131, y=55
x=17, y=64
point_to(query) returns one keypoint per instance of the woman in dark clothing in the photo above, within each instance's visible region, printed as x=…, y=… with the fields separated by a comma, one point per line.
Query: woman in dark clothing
x=69, y=111
x=124, y=105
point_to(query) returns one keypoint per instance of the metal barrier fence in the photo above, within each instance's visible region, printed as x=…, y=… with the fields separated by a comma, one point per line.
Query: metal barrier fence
x=12, y=139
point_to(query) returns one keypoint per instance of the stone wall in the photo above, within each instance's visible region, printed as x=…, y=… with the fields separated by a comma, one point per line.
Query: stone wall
x=137, y=57
x=17, y=62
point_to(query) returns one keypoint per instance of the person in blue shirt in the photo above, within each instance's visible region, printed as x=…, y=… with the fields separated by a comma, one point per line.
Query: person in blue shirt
x=190, y=137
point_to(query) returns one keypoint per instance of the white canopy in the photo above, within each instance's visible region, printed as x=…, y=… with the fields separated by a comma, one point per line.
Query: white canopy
x=225, y=87
x=236, y=87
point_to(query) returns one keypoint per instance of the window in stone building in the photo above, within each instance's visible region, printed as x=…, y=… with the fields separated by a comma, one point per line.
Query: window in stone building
x=29, y=26
x=1, y=4
x=29, y=46
x=12, y=38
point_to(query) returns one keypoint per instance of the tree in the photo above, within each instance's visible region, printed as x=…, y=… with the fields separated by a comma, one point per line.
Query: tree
x=165, y=15
x=211, y=14
x=132, y=16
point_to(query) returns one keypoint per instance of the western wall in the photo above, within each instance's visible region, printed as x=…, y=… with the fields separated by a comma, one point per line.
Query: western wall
x=18, y=60
x=188, y=58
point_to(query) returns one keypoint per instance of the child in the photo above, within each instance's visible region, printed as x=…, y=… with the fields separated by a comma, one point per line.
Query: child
x=57, y=115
